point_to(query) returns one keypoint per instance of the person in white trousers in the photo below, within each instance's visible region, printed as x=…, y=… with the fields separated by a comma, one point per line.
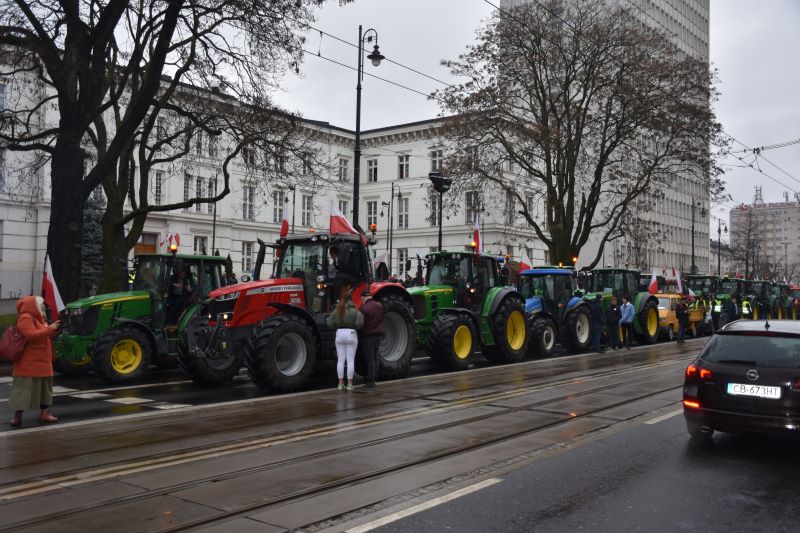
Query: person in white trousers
x=347, y=320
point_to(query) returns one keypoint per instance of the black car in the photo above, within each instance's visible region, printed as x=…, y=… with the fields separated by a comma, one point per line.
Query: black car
x=747, y=379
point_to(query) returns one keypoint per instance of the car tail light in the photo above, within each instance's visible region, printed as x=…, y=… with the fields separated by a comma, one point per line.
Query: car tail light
x=692, y=404
x=694, y=372
x=691, y=371
x=705, y=373
x=796, y=383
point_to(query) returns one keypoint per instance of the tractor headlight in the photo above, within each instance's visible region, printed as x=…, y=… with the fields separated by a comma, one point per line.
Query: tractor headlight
x=77, y=311
x=226, y=316
x=225, y=297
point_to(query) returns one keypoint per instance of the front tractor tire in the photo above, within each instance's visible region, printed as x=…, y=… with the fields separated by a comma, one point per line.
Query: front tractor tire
x=509, y=331
x=398, y=340
x=69, y=367
x=543, y=337
x=648, y=321
x=579, y=329
x=452, y=341
x=122, y=354
x=214, y=368
x=283, y=353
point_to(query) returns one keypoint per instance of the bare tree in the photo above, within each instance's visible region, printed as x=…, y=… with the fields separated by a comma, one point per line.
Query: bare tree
x=101, y=66
x=746, y=237
x=641, y=234
x=593, y=108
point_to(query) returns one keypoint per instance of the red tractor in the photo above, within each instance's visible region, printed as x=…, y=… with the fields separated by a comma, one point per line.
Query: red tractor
x=276, y=327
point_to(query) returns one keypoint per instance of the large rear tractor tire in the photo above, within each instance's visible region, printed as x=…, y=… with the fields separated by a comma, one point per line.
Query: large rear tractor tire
x=509, y=331
x=452, y=341
x=648, y=320
x=579, y=329
x=543, y=337
x=398, y=340
x=283, y=354
x=69, y=367
x=122, y=354
x=214, y=368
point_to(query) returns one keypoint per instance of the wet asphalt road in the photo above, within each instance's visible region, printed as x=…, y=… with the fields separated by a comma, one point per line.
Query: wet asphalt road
x=647, y=478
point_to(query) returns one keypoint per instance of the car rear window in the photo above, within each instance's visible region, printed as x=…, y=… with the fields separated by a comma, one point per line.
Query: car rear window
x=754, y=350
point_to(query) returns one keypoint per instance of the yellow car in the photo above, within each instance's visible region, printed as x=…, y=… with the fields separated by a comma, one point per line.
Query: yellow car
x=668, y=319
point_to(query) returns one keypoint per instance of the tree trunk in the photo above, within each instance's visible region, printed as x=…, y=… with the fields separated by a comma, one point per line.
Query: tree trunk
x=114, y=276
x=65, y=234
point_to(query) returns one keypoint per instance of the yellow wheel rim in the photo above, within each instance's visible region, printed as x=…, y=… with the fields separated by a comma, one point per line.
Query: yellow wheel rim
x=462, y=342
x=652, y=322
x=515, y=330
x=755, y=312
x=780, y=313
x=126, y=356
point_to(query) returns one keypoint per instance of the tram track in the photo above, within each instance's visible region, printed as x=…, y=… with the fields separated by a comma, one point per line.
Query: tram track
x=32, y=488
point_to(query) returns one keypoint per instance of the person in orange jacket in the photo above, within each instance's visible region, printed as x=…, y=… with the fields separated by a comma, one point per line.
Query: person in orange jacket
x=33, y=371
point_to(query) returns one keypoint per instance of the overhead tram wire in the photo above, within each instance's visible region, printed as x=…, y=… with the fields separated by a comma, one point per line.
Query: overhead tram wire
x=775, y=146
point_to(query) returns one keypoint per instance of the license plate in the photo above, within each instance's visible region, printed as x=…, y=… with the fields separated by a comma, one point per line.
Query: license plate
x=756, y=391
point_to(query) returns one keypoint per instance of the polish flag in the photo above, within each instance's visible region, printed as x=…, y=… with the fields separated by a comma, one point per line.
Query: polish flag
x=678, y=280
x=653, y=288
x=525, y=263
x=476, y=236
x=284, y=228
x=49, y=289
x=340, y=224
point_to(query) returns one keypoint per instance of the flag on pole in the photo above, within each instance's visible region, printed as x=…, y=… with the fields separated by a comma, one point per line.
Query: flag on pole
x=525, y=263
x=49, y=289
x=678, y=280
x=476, y=236
x=340, y=224
x=653, y=287
x=284, y=228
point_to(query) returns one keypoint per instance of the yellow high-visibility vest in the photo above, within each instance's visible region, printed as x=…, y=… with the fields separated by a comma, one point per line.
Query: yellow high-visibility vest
x=717, y=306
x=746, y=307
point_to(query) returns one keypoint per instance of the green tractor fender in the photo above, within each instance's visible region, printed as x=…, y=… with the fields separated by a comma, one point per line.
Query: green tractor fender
x=494, y=299
x=643, y=324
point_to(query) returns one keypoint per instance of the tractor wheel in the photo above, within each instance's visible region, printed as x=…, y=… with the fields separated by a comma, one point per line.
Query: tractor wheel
x=122, y=354
x=283, y=354
x=452, y=340
x=398, y=340
x=648, y=322
x=509, y=331
x=543, y=337
x=210, y=371
x=68, y=367
x=579, y=329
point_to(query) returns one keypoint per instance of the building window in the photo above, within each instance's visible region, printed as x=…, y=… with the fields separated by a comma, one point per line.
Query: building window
x=212, y=192
x=200, y=244
x=434, y=218
x=249, y=155
x=372, y=213
x=372, y=170
x=306, y=165
x=187, y=188
x=473, y=207
x=278, y=203
x=343, y=207
x=158, y=188
x=436, y=160
x=511, y=211
x=247, y=257
x=308, y=209
x=2, y=97
x=402, y=213
x=402, y=257
x=402, y=166
x=248, y=206
x=344, y=168
x=161, y=130
x=198, y=142
x=212, y=146
x=200, y=192
x=2, y=169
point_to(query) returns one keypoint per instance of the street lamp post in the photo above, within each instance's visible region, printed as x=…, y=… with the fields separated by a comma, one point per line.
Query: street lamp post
x=786, y=262
x=376, y=57
x=440, y=185
x=702, y=214
x=214, y=221
x=719, y=245
x=294, y=191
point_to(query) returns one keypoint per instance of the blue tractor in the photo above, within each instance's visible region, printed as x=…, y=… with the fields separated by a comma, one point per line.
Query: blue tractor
x=555, y=310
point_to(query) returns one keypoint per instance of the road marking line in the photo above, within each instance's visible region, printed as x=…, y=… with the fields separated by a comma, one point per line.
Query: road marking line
x=66, y=391
x=369, y=526
x=90, y=395
x=63, y=390
x=127, y=400
x=663, y=417
x=167, y=405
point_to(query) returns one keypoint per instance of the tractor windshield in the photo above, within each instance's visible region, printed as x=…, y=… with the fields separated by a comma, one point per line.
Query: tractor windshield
x=448, y=270
x=151, y=274
x=759, y=288
x=304, y=259
x=699, y=285
x=606, y=281
x=729, y=287
x=532, y=286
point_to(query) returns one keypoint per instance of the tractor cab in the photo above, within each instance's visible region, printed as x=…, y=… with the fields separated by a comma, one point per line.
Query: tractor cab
x=553, y=287
x=471, y=276
x=730, y=287
x=615, y=282
x=702, y=284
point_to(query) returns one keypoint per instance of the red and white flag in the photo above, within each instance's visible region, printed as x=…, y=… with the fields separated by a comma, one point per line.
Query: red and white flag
x=678, y=280
x=653, y=287
x=49, y=289
x=284, y=228
x=340, y=224
x=525, y=263
x=476, y=236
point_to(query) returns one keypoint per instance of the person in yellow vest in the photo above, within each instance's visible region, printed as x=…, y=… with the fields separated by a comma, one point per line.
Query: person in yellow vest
x=747, y=309
x=716, y=311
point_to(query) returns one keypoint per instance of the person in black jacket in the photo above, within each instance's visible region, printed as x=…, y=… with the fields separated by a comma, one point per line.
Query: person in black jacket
x=369, y=338
x=682, y=313
x=597, y=322
x=613, y=314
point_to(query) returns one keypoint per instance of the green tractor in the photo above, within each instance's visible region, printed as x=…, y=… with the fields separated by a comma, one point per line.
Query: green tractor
x=118, y=335
x=756, y=292
x=702, y=285
x=780, y=301
x=619, y=282
x=463, y=305
x=728, y=288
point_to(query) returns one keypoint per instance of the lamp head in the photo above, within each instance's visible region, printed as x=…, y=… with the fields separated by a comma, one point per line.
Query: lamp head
x=173, y=248
x=376, y=57
x=373, y=227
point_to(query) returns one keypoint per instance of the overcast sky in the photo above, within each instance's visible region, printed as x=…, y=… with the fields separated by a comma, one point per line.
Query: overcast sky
x=754, y=44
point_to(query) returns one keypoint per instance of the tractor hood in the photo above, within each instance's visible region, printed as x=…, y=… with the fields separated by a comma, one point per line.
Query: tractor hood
x=590, y=296
x=264, y=285
x=108, y=298
x=428, y=289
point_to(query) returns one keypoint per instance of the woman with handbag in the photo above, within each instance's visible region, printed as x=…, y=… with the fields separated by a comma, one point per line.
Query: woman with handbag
x=33, y=371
